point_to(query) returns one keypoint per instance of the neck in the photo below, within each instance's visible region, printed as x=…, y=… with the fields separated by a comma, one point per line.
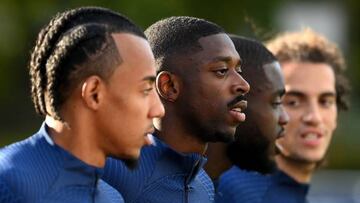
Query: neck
x=77, y=139
x=299, y=170
x=218, y=162
x=178, y=138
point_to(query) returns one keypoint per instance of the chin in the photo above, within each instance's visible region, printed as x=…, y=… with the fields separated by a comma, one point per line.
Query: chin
x=131, y=163
x=226, y=137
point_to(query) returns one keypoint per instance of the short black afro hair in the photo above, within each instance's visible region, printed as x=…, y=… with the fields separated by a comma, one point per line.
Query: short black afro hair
x=178, y=35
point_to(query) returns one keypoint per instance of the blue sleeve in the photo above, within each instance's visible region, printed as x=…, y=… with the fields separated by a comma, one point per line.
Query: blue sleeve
x=7, y=195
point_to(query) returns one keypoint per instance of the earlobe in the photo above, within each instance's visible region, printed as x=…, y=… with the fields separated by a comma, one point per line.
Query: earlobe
x=91, y=92
x=167, y=86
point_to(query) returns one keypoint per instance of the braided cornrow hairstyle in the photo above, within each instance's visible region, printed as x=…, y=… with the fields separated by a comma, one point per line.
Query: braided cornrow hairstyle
x=74, y=45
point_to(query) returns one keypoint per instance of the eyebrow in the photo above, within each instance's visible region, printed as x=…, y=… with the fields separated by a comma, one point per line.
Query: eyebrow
x=300, y=94
x=328, y=94
x=226, y=59
x=295, y=93
x=150, y=78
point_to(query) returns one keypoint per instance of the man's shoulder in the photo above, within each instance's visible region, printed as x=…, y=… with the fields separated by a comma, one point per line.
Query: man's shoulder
x=242, y=185
x=15, y=156
x=28, y=166
x=7, y=194
x=236, y=173
x=23, y=154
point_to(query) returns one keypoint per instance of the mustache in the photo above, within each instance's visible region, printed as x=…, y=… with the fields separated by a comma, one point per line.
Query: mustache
x=236, y=100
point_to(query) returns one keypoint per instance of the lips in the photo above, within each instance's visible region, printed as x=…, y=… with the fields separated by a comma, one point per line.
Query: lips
x=148, y=136
x=237, y=109
x=311, y=138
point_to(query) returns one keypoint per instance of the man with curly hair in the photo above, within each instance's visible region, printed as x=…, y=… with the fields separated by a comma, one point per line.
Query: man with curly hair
x=316, y=90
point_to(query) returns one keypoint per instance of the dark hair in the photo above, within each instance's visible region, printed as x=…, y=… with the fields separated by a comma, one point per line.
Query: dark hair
x=251, y=151
x=253, y=53
x=309, y=46
x=178, y=35
x=74, y=45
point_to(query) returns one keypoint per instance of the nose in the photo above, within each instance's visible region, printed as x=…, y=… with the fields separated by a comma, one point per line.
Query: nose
x=240, y=86
x=157, y=109
x=312, y=115
x=284, y=117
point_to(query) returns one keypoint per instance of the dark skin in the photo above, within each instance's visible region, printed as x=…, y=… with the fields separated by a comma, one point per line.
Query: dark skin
x=254, y=148
x=200, y=96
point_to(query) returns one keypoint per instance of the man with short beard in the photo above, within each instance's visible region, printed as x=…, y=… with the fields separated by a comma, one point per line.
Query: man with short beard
x=252, y=153
x=199, y=81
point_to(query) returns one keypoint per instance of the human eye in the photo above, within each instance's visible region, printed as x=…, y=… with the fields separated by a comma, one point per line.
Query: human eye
x=221, y=72
x=327, y=102
x=291, y=102
x=148, y=88
x=147, y=91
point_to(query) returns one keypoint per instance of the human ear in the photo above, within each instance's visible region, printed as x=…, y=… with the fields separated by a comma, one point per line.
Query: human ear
x=167, y=86
x=91, y=92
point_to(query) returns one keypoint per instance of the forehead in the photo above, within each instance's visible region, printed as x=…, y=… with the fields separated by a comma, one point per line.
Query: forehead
x=135, y=53
x=265, y=80
x=273, y=75
x=308, y=78
x=217, y=46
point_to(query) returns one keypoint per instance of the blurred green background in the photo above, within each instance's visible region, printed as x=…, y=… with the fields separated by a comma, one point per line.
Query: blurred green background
x=20, y=21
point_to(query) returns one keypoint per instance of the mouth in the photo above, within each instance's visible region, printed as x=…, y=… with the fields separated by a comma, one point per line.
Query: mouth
x=148, y=136
x=312, y=138
x=237, y=109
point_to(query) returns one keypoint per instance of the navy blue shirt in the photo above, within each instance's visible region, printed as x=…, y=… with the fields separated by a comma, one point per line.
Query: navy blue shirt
x=163, y=175
x=38, y=170
x=237, y=185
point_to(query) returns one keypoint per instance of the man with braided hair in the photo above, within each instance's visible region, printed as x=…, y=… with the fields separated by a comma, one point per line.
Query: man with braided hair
x=92, y=76
x=200, y=84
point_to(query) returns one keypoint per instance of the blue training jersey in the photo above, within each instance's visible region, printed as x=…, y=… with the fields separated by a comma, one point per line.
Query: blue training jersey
x=163, y=175
x=38, y=170
x=237, y=185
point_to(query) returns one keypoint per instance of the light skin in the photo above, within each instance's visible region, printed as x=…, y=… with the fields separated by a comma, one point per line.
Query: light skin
x=199, y=98
x=111, y=117
x=310, y=101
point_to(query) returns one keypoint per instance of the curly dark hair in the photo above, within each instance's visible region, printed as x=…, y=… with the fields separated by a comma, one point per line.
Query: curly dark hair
x=309, y=46
x=74, y=45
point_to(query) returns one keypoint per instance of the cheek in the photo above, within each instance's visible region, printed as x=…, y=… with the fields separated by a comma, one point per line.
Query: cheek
x=330, y=120
x=294, y=120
